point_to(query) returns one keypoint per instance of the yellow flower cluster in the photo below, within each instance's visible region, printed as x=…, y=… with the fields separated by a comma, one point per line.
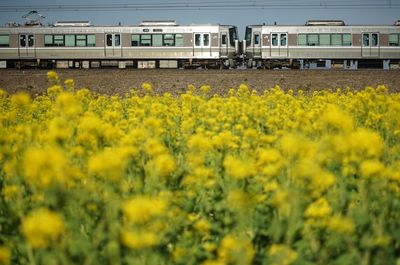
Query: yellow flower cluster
x=42, y=227
x=246, y=178
x=5, y=255
x=140, y=210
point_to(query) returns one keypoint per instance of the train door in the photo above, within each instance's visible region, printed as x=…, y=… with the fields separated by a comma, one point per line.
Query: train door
x=279, y=47
x=201, y=45
x=257, y=44
x=26, y=46
x=113, y=45
x=370, y=45
x=224, y=44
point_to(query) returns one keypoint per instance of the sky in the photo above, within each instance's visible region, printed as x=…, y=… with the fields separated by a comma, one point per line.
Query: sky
x=230, y=12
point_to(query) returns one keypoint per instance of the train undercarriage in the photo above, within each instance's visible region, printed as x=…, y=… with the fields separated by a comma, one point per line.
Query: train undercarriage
x=349, y=64
x=122, y=64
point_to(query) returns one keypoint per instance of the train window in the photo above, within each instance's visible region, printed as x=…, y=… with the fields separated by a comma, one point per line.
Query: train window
x=374, y=39
x=365, y=39
x=197, y=39
x=324, y=39
x=169, y=40
x=248, y=36
x=135, y=39
x=31, y=40
x=48, y=40
x=117, y=40
x=81, y=40
x=58, y=40
x=312, y=40
x=394, y=39
x=109, y=40
x=206, y=40
x=69, y=40
x=224, y=39
x=91, y=40
x=179, y=40
x=346, y=40
x=336, y=39
x=22, y=40
x=256, y=39
x=283, y=39
x=157, y=39
x=145, y=40
x=4, y=40
x=233, y=35
x=302, y=39
x=274, y=39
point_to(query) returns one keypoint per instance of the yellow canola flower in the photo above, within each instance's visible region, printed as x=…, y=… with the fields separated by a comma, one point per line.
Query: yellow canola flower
x=268, y=156
x=238, y=168
x=139, y=240
x=163, y=165
x=3, y=93
x=366, y=143
x=53, y=76
x=318, y=209
x=141, y=209
x=90, y=124
x=243, y=90
x=341, y=225
x=269, y=161
x=198, y=142
x=294, y=145
x=205, y=89
x=153, y=125
x=69, y=84
x=238, y=200
x=69, y=104
x=281, y=200
x=42, y=227
x=203, y=226
x=59, y=129
x=282, y=255
x=20, y=99
x=10, y=192
x=317, y=180
x=333, y=117
x=147, y=87
x=371, y=168
x=235, y=250
x=55, y=90
x=44, y=166
x=5, y=255
x=111, y=163
x=155, y=147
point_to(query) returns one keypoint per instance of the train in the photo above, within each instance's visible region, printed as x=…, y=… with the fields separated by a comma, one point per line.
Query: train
x=318, y=44
x=151, y=44
x=323, y=44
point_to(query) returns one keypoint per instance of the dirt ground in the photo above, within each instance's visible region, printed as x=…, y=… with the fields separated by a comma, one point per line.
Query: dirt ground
x=115, y=81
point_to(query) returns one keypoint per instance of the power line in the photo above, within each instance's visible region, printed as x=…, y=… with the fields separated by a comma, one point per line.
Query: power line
x=204, y=5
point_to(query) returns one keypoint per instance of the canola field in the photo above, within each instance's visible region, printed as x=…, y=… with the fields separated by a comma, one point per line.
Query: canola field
x=280, y=177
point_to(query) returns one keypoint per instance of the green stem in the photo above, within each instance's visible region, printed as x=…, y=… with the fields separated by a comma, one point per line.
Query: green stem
x=30, y=255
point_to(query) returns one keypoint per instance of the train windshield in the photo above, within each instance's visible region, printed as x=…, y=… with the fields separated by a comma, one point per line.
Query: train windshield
x=233, y=35
x=247, y=37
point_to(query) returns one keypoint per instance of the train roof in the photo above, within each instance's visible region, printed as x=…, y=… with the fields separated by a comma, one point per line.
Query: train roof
x=86, y=23
x=312, y=23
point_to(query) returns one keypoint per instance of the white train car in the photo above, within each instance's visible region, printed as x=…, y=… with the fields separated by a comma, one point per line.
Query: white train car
x=323, y=44
x=151, y=44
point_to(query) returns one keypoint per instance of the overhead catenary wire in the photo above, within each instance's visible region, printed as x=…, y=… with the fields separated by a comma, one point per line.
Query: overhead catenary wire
x=207, y=5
